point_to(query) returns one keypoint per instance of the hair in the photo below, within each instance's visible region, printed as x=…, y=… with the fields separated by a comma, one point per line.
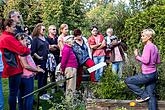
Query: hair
x=5, y=23
x=68, y=38
x=110, y=29
x=62, y=27
x=11, y=13
x=37, y=29
x=77, y=32
x=149, y=32
x=94, y=26
x=51, y=26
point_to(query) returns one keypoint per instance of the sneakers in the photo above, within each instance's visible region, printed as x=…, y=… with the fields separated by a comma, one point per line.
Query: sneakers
x=45, y=97
x=142, y=100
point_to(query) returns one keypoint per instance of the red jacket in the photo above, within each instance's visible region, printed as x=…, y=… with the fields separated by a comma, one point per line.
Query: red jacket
x=11, y=48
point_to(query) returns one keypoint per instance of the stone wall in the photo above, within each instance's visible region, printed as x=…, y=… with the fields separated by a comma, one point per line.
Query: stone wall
x=108, y=104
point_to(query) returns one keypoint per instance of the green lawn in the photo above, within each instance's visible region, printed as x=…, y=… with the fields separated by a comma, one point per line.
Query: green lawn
x=44, y=104
x=5, y=92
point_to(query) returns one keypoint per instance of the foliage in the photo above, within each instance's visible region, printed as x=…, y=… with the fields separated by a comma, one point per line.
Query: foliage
x=29, y=9
x=154, y=18
x=143, y=4
x=161, y=82
x=63, y=11
x=111, y=88
x=75, y=103
x=109, y=15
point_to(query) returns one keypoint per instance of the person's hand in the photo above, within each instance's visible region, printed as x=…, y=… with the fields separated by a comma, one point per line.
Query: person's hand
x=99, y=44
x=40, y=69
x=40, y=58
x=136, y=52
x=61, y=71
x=119, y=41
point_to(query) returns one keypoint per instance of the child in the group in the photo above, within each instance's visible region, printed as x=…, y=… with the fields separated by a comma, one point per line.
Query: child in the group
x=27, y=78
x=69, y=65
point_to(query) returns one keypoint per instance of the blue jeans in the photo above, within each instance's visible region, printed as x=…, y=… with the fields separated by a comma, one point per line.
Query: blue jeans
x=1, y=94
x=26, y=87
x=149, y=80
x=14, y=83
x=117, y=68
x=99, y=72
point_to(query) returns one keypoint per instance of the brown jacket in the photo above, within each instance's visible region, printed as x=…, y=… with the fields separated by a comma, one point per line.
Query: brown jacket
x=122, y=48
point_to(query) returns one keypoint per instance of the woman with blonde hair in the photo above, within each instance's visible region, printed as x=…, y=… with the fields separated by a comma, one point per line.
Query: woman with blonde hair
x=63, y=33
x=40, y=51
x=149, y=58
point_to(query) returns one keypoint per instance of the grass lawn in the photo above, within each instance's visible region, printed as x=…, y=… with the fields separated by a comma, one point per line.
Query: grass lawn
x=6, y=93
x=45, y=105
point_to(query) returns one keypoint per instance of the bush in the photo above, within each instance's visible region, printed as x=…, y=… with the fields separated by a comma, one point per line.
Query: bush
x=77, y=102
x=111, y=88
x=161, y=82
x=153, y=17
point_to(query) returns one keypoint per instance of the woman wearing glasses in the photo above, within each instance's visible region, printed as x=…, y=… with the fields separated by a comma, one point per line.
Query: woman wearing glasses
x=40, y=51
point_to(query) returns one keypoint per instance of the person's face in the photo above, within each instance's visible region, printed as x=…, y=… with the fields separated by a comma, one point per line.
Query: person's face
x=26, y=30
x=94, y=31
x=71, y=42
x=77, y=38
x=42, y=31
x=23, y=41
x=12, y=28
x=53, y=30
x=145, y=37
x=17, y=17
x=65, y=30
x=109, y=32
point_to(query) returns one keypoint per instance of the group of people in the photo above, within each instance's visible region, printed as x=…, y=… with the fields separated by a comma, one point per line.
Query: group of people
x=25, y=56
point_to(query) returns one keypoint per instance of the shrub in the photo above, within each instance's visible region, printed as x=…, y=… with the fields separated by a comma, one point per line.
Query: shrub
x=77, y=102
x=110, y=87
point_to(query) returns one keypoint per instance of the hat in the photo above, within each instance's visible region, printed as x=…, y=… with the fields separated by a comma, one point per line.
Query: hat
x=113, y=37
x=68, y=38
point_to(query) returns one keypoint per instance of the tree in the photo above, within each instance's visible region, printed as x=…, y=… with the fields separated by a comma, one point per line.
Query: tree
x=29, y=9
x=109, y=15
x=63, y=11
x=153, y=17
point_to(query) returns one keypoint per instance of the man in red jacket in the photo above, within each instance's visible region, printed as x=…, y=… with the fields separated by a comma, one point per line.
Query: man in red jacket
x=10, y=49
